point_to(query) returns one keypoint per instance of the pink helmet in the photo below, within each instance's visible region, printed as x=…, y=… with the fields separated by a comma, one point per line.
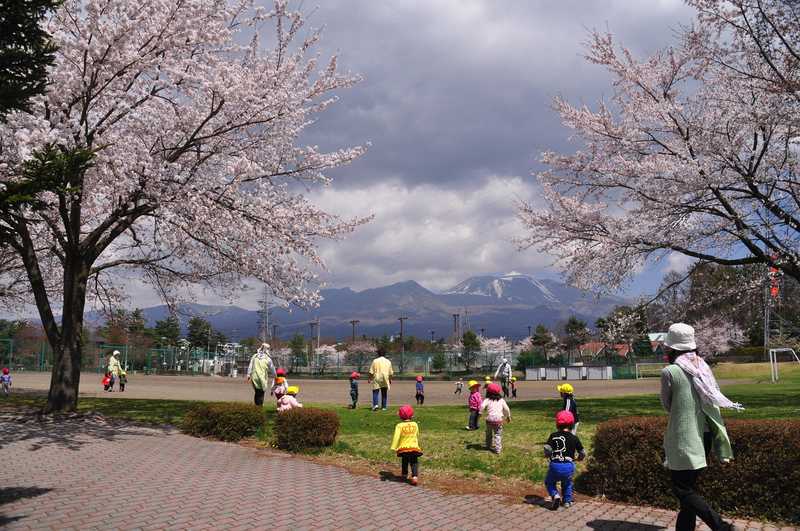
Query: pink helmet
x=405, y=412
x=419, y=378
x=565, y=418
x=355, y=374
x=493, y=389
x=280, y=372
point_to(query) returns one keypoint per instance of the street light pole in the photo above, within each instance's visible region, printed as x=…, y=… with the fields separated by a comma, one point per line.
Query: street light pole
x=432, y=334
x=354, y=322
x=529, y=331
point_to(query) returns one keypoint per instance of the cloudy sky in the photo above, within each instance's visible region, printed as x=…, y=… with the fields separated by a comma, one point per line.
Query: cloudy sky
x=455, y=102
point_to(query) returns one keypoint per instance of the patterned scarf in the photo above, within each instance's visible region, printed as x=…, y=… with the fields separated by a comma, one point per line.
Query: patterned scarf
x=704, y=382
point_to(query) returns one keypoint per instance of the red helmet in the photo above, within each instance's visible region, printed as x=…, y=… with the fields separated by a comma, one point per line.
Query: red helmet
x=355, y=374
x=419, y=378
x=564, y=418
x=280, y=372
x=493, y=389
x=5, y=370
x=405, y=412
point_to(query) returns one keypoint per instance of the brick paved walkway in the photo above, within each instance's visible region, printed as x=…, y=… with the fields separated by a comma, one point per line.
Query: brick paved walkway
x=93, y=473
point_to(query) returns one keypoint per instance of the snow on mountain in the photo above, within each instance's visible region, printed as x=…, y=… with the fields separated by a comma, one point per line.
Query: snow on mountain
x=513, y=287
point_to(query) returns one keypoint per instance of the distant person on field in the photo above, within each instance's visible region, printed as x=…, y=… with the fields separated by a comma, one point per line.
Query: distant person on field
x=497, y=413
x=380, y=375
x=113, y=368
x=354, y=376
x=568, y=395
x=474, y=404
x=513, y=387
x=5, y=380
x=289, y=400
x=107, y=381
x=563, y=448
x=420, y=391
x=691, y=397
x=503, y=373
x=459, y=386
x=123, y=380
x=406, y=443
x=259, y=372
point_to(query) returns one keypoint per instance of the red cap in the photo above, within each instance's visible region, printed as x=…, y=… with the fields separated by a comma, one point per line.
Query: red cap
x=280, y=372
x=405, y=412
x=494, y=389
x=5, y=370
x=355, y=374
x=419, y=378
x=564, y=418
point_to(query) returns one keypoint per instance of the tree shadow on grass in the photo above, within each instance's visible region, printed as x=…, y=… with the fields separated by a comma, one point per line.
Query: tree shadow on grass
x=622, y=525
x=71, y=431
x=11, y=494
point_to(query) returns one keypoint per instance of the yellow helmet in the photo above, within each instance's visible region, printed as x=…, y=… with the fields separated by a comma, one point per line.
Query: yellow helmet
x=292, y=390
x=513, y=378
x=472, y=383
x=488, y=378
x=565, y=388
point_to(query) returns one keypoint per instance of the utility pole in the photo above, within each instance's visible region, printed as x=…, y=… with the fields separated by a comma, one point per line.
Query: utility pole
x=318, y=331
x=455, y=325
x=432, y=334
x=354, y=322
x=529, y=331
x=264, y=312
x=274, y=332
x=482, y=332
x=402, y=344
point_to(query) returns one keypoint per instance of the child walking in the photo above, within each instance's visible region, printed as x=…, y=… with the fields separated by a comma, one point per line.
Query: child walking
x=561, y=448
x=513, y=387
x=474, y=403
x=497, y=413
x=567, y=393
x=459, y=386
x=107, y=382
x=406, y=443
x=279, y=387
x=420, y=396
x=288, y=401
x=354, y=376
x=5, y=379
x=123, y=379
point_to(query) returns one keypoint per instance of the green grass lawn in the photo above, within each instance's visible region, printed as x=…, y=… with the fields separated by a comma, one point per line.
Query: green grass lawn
x=449, y=448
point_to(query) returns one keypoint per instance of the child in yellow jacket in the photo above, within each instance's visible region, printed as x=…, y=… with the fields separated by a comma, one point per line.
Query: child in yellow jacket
x=406, y=443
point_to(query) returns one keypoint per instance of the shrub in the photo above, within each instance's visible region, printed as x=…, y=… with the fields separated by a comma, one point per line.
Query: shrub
x=762, y=481
x=226, y=421
x=302, y=428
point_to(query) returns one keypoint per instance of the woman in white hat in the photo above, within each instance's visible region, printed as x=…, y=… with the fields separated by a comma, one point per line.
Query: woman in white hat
x=691, y=396
x=259, y=372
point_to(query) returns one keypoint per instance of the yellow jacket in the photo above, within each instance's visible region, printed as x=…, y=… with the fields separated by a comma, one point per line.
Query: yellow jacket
x=406, y=437
x=380, y=372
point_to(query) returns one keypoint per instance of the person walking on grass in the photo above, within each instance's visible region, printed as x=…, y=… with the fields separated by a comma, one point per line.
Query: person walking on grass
x=380, y=376
x=563, y=448
x=497, y=413
x=5, y=380
x=568, y=396
x=692, y=399
x=406, y=443
x=354, y=376
x=459, y=387
x=420, y=391
x=259, y=372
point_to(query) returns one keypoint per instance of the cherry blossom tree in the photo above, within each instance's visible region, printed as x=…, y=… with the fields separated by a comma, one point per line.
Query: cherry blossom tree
x=359, y=353
x=493, y=349
x=717, y=336
x=184, y=161
x=696, y=153
x=324, y=357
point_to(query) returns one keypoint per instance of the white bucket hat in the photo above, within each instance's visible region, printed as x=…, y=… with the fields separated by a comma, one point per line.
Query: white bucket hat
x=680, y=337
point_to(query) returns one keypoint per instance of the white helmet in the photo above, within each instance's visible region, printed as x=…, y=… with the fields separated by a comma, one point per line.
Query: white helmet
x=115, y=353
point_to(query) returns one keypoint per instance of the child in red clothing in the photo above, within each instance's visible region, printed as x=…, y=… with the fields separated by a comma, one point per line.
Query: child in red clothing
x=106, y=381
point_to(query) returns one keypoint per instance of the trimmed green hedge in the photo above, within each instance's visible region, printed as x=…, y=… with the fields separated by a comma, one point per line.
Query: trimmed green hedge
x=763, y=480
x=226, y=421
x=302, y=428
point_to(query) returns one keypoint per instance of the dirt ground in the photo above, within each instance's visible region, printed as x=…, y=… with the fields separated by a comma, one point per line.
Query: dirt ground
x=319, y=391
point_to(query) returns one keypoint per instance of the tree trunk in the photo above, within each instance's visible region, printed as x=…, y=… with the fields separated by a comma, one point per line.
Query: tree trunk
x=66, y=375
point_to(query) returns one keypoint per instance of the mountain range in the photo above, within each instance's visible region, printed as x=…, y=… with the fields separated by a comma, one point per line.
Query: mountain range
x=502, y=305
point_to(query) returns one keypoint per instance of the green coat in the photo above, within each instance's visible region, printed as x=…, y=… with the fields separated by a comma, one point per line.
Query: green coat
x=689, y=418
